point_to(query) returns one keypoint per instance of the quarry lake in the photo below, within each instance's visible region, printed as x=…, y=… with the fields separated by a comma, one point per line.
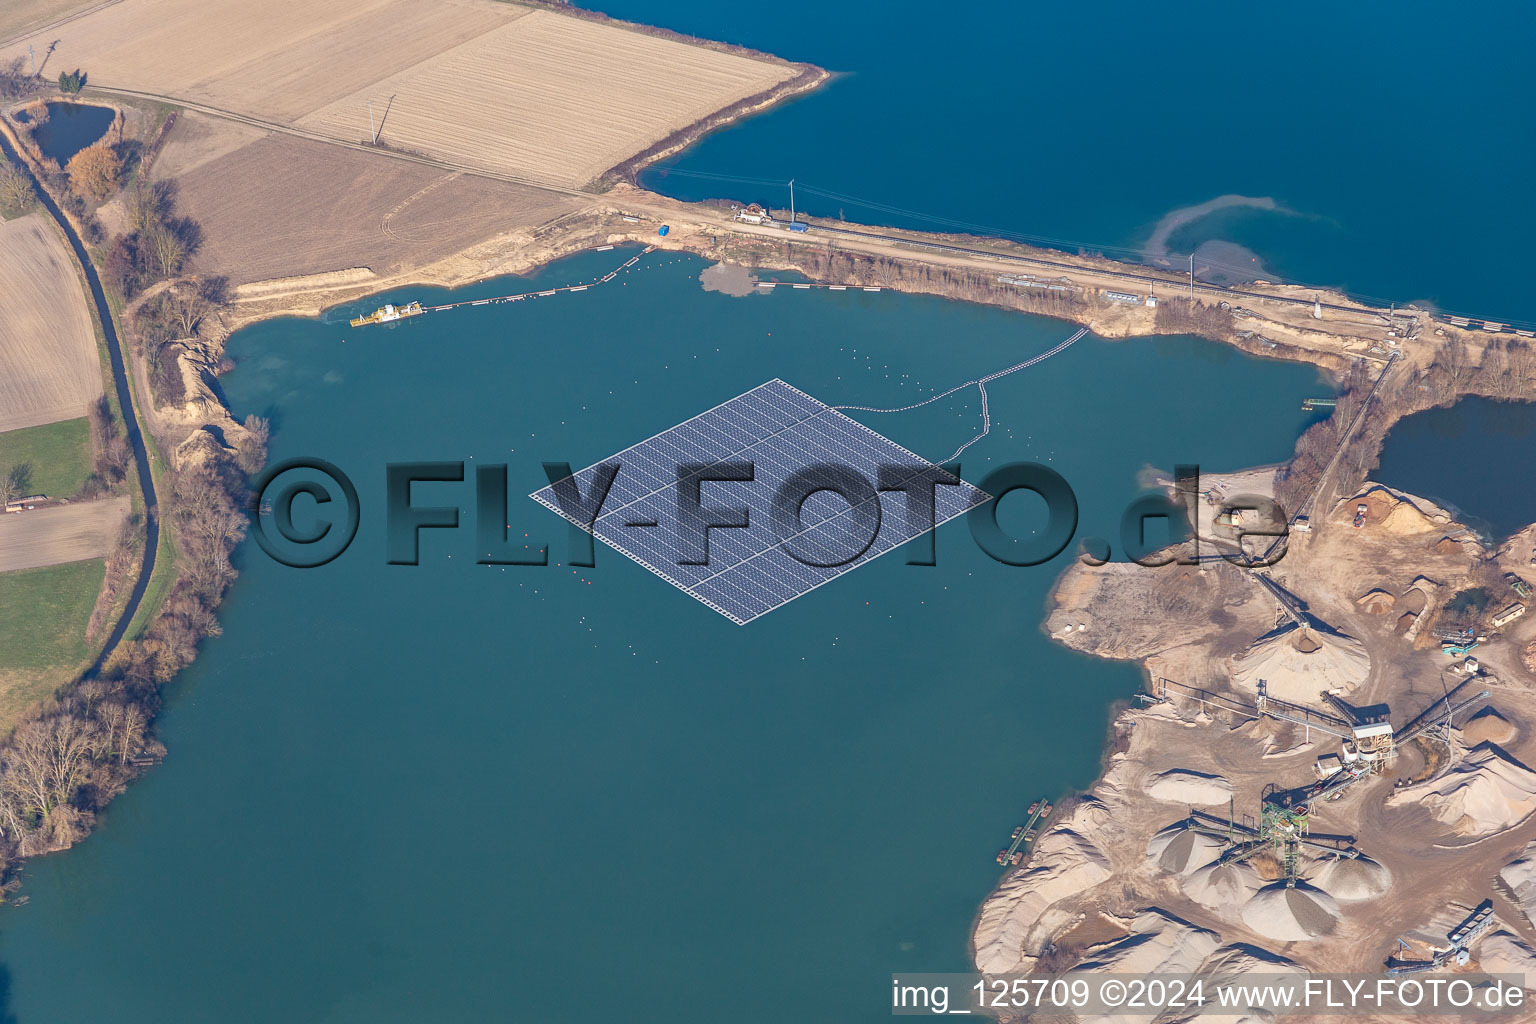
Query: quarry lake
x=1473, y=457
x=1089, y=124
x=462, y=792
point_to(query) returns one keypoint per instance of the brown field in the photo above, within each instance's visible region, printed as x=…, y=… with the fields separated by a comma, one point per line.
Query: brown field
x=550, y=98
x=275, y=59
x=198, y=139
x=491, y=86
x=284, y=207
x=61, y=533
x=49, y=369
x=24, y=16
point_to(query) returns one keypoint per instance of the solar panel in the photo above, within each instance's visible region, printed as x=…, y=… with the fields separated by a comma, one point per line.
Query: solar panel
x=786, y=435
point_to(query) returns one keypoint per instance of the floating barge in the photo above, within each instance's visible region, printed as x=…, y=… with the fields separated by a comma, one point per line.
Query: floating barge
x=1025, y=834
x=388, y=314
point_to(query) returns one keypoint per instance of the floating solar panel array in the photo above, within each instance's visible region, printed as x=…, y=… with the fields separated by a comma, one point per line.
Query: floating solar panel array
x=791, y=441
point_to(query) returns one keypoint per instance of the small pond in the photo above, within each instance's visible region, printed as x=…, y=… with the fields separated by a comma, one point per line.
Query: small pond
x=1475, y=457
x=70, y=128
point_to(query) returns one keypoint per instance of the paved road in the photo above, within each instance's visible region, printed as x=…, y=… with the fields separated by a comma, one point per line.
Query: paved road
x=61, y=533
x=132, y=429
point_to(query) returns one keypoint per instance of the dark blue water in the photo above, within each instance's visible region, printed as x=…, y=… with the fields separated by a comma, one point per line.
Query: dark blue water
x=1397, y=136
x=453, y=792
x=70, y=128
x=1473, y=457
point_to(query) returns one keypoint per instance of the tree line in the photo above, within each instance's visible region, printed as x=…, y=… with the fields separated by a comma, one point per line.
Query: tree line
x=157, y=243
x=72, y=755
x=1506, y=371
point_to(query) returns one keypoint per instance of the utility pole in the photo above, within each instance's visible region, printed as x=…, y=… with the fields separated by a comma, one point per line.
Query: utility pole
x=373, y=134
x=31, y=53
x=1192, y=278
x=791, y=200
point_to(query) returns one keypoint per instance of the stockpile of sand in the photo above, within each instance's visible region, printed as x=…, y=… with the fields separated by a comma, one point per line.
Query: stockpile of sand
x=1487, y=793
x=1519, y=876
x=1487, y=726
x=1182, y=786
x=1159, y=943
x=1065, y=863
x=1393, y=512
x=1298, y=664
x=1376, y=602
x=1229, y=964
x=1222, y=887
x=1528, y=656
x=1505, y=953
x=1180, y=850
x=1347, y=879
x=1291, y=915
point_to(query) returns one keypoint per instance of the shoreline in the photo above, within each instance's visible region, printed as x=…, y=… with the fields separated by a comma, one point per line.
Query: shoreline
x=1115, y=299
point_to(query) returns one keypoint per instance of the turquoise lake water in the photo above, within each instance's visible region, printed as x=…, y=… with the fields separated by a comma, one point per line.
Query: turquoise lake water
x=453, y=792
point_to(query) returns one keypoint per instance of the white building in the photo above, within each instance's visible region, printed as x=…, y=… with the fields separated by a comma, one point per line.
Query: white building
x=754, y=214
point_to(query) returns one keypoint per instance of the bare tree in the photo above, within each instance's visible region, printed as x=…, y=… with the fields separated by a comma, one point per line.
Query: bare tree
x=251, y=452
x=166, y=250
x=16, y=192
x=47, y=760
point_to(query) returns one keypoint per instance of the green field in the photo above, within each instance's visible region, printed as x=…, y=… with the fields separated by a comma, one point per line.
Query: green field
x=58, y=456
x=43, y=615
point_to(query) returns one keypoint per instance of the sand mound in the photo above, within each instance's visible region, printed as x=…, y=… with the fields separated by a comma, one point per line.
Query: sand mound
x=1159, y=943
x=1241, y=958
x=1519, y=876
x=1528, y=656
x=1297, y=663
x=1230, y=964
x=1393, y=512
x=1179, y=850
x=1487, y=726
x=1182, y=786
x=1505, y=953
x=1222, y=887
x=1376, y=602
x=1065, y=863
x=1291, y=915
x=1487, y=793
x=1348, y=880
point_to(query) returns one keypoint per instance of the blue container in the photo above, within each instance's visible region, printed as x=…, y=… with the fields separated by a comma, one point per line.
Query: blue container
x=797, y=226
x=663, y=229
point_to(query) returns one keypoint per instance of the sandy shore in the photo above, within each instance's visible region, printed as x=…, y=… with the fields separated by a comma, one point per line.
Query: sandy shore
x=1121, y=879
